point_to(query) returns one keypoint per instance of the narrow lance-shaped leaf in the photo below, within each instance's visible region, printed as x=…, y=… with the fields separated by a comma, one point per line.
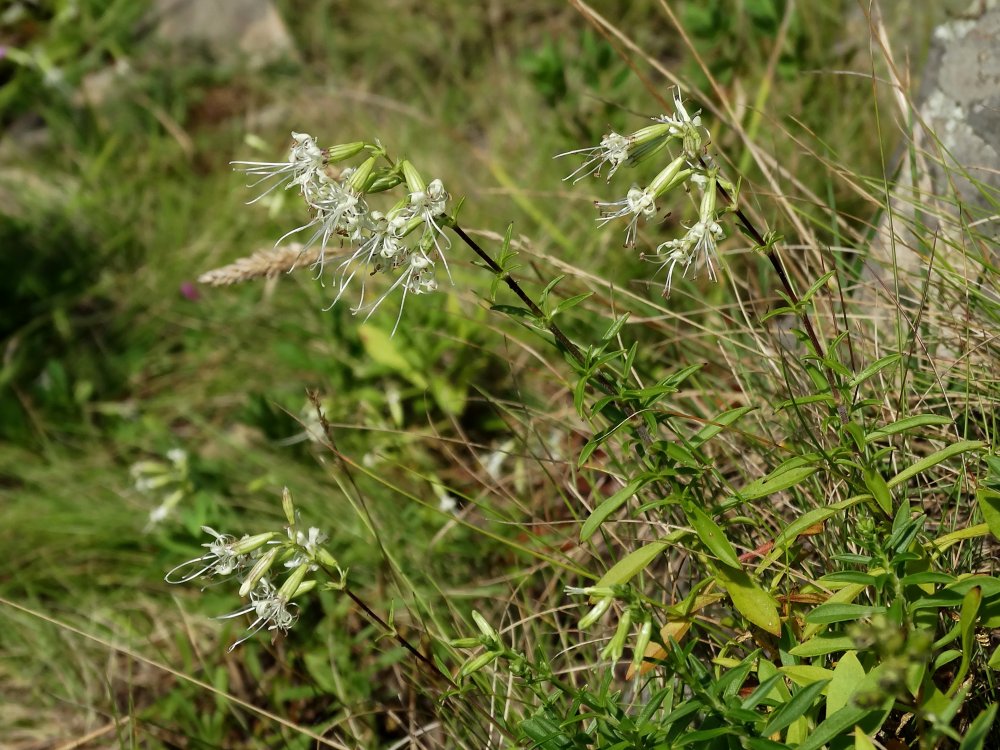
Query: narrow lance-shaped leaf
x=955, y=449
x=712, y=536
x=609, y=506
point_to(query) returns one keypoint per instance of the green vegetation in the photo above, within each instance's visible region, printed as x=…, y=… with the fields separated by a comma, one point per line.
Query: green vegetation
x=760, y=513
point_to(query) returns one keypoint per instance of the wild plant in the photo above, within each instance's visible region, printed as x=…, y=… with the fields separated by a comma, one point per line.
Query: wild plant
x=753, y=587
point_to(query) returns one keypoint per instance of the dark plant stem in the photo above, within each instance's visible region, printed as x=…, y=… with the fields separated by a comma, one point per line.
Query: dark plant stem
x=779, y=269
x=426, y=662
x=605, y=383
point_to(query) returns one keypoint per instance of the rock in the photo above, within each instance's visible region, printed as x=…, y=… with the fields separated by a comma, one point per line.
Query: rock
x=231, y=30
x=942, y=232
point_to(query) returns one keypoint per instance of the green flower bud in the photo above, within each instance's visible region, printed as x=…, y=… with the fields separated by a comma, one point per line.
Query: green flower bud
x=343, y=151
x=595, y=614
x=259, y=570
x=484, y=627
x=245, y=546
x=414, y=182
x=359, y=177
x=291, y=584
x=288, y=506
x=669, y=177
x=641, y=641
x=616, y=646
x=474, y=665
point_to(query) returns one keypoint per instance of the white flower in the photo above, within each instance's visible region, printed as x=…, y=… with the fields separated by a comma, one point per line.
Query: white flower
x=698, y=244
x=447, y=503
x=383, y=247
x=304, y=167
x=308, y=543
x=338, y=211
x=613, y=151
x=157, y=515
x=417, y=278
x=429, y=205
x=685, y=126
x=219, y=560
x=271, y=609
x=637, y=202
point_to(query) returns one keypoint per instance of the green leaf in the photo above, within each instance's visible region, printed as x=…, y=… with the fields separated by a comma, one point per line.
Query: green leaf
x=749, y=599
x=862, y=741
x=907, y=424
x=978, y=731
x=712, y=536
x=571, y=302
x=836, y=725
x=625, y=569
x=989, y=505
x=826, y=614
x=822, y=645
x=515, y=311
x=791, y=532
x=873, y=369
x=847, y=675
x=806, y=674
x=963, y=446
x=799, y=705
x=717, y=424
x=967, y=622
x=761, y=692
x=381, y=348
x=609, y=506
x=879, y=489
x=779, y=479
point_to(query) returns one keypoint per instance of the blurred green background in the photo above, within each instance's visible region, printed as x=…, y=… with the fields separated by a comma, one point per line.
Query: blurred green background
x=118, y=120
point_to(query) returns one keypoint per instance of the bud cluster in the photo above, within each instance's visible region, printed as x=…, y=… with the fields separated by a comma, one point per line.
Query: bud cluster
x=699, y=244
x=634, y=612
x=406, y=242
x=257, y=562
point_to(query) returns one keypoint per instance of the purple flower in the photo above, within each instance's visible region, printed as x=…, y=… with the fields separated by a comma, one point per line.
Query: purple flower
x=190, y=291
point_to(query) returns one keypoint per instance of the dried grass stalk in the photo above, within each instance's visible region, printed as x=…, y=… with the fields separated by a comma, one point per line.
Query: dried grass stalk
x=263, y=264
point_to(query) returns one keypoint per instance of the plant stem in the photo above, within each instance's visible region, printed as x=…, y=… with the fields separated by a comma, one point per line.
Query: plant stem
x=605, y=383
x=775, y=259
x=421, y=658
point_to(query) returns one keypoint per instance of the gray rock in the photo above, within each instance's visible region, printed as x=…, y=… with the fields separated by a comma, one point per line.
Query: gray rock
x=937, y=242
x=232, y=30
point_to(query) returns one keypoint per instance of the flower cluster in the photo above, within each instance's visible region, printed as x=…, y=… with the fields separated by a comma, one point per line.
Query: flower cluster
x=256, y=562
x=407, y=241
x=698, y=247
x=634, y=612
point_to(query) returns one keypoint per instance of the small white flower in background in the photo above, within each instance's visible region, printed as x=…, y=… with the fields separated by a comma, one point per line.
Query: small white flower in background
x=168, y=482
x=495, y=460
